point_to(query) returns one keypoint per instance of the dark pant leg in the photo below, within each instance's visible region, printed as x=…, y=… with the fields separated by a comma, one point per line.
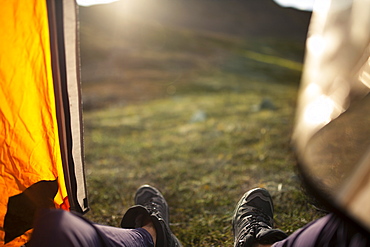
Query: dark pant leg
x=59, y=228
x=330, y=230
x=126, y=237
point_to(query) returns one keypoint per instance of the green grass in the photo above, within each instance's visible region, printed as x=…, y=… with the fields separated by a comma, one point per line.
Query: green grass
x=202, y=166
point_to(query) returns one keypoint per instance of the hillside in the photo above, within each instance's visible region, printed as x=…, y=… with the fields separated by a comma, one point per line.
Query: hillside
x=132, y=50
x=246, y=18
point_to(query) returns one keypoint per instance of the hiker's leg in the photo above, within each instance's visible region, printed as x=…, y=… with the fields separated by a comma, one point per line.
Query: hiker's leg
x=327, y=231
x=127, y=237
x=61, y=228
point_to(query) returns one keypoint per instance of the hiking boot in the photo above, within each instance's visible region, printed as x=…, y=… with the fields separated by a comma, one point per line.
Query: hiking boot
x=150, y=202
x=253, y=220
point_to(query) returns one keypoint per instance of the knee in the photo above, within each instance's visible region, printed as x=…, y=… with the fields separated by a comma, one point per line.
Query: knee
x=61, y=228
x=51, y=221
x=51, y=227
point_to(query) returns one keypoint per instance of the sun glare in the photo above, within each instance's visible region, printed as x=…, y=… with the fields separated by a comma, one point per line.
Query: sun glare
x=319, y=111
x=316, y=44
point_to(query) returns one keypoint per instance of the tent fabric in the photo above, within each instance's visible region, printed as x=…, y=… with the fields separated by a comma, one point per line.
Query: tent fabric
x=74, y=95
x=41, y=151
x=336, y=57
x=65, y=63
x=332, y=134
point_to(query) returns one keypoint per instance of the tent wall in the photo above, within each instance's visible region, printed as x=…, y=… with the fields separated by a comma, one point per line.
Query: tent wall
x=41, y=151
x=332, y=134
x=65, y=60
x=75, y=102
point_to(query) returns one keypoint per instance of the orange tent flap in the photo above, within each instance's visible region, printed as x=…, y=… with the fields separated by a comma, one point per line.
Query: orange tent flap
x=29, y=150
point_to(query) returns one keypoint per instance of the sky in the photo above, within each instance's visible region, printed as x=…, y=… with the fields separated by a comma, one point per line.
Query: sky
x=299, y=4
x=93, y=2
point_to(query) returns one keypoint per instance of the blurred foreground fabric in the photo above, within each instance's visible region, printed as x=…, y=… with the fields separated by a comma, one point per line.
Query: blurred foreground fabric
x=332, y=131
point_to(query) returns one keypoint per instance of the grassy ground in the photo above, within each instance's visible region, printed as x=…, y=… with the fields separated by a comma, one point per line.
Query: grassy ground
x=215, y=122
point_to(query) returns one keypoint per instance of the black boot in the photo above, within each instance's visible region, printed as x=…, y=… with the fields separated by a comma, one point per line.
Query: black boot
x=253, y=220
x=149, y=202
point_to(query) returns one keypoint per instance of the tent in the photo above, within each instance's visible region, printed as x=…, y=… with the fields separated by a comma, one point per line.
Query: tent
x=332, y=130
x=41, y=151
